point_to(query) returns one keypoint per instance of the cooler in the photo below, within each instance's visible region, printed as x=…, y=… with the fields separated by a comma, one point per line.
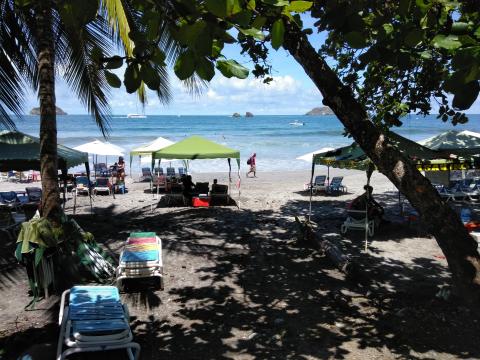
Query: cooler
x=201, y=201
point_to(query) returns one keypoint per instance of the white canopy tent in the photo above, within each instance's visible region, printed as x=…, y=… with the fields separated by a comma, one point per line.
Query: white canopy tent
x=309, y=158
x=98, y=147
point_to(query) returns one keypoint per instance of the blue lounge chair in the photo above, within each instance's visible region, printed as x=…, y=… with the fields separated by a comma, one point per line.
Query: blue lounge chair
x=94, y=320
x=34, y=194
x=182, y=171
x=171, y=172
x=336, y=186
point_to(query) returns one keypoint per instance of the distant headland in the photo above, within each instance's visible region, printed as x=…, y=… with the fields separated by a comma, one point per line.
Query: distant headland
x=36, y=111
x=323, y=110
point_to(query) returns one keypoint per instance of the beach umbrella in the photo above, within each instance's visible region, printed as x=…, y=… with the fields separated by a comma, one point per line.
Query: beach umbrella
x=458, y=142
x=98, y=147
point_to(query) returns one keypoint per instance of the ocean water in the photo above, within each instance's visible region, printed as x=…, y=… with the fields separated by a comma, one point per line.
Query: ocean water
x=276, y=142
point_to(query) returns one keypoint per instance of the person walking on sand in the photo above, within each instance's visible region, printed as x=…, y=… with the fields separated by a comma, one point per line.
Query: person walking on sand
x=253, y=165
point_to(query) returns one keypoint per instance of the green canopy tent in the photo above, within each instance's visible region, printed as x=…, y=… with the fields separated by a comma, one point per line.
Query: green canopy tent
x=21, y=152
x=197, y=147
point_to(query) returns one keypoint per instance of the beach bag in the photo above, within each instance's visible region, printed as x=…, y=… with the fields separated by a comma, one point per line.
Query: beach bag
x=249, y=161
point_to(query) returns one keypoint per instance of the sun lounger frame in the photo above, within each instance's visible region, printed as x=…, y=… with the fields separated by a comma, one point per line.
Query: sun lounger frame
x=358, y=224
x=77, y=342
x=140, y=269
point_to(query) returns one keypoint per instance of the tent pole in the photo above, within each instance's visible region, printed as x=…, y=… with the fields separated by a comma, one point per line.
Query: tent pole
x=158, y=187
x=64, y=176
x=75, y=198
x=311, y=191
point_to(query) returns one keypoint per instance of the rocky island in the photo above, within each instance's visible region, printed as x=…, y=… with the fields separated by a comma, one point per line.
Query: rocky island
x=248, y=114
x=236, y=115
x=323, y=110
x=36, y=111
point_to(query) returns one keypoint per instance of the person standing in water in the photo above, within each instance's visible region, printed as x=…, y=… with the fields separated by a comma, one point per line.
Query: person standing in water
x=253, y=165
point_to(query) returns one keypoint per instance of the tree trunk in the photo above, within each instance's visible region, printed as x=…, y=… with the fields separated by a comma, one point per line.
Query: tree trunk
x=458, y=246
x=50, y=205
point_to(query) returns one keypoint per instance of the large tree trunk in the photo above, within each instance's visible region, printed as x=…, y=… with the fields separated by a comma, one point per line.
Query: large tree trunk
x=50, y=206
x=459, y=248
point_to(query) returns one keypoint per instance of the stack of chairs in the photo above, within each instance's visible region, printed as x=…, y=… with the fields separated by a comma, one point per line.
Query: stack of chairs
x=141, y=258
x=94, y=320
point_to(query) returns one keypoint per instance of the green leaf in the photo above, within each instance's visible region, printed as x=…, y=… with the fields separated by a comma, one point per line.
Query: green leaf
x=414, y=37
x=39, y=255
x=355, y=40
x=257, y=34
x=466, y=95
x=222, y=8
x=158, y=57
x=259, y=22
x=113, y=79
x=477, y=33
x=216, y=48
x=388, y=28
x=277, y=32
x=230, y=68
x=276, y=2
x=299, y=6
x=132, y=79
x=449, y=42
x=459, y=28
x=114, y=62
x=185, y=65
x=189, y=33
x=150, y=76
x=205, y=69
x=242, y=18
x=251, y=5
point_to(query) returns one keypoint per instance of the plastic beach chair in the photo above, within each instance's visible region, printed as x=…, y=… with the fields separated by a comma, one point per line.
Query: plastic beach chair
x=318, y=184
x=171, y=172
x=102, y=185
x=94, y=320
x=357, y=220
x=336, y=186
x=141, y=258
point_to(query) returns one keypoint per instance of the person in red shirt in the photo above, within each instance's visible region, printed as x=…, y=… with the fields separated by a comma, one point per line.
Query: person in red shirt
x=252, y=162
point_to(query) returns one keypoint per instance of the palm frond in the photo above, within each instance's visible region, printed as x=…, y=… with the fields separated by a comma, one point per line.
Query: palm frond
x=120, y=20
x=81, y=71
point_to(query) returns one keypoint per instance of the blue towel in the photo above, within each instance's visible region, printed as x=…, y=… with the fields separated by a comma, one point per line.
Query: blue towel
x=129, y=256
x=96, y=327
x=93, y=295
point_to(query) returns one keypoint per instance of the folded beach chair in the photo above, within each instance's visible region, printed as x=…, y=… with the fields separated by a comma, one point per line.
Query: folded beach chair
x=336, y=186
x=102, y=185
x=34, y=194
x=171, y=172
x=141, y=258
x=94, y=320
x=219, y=192
x=357, y=220
x=146, y=174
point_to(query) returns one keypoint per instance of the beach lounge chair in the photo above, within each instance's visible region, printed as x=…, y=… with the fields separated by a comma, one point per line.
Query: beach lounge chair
x=34, y=194
x=175, y=194
x=160, y=182
x=219, y=193
x=146, y=174
x=10, y=199
x=336, y=186
x=171, y=172
x=102, y=185
x=357, y=220
x=8, y=224
x=82, y=185
x=94, y=320
x=318, y=184
x=182, y=171
x=141, y=258
x=202, y=188
x=158, y=171
x=101, y=169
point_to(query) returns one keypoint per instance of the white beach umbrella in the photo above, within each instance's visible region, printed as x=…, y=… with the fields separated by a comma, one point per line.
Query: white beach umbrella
x=309, y=157
x=98, y=147
x=157, y=144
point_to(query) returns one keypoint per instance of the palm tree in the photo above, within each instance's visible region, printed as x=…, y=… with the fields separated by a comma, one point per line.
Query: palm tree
x=46, y=38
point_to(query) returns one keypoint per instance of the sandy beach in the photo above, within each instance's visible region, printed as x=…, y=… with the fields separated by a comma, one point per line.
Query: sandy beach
x=239, y=286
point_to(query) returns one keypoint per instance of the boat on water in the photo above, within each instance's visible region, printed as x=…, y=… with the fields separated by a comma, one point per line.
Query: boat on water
x=136, y=116
x=297, y=123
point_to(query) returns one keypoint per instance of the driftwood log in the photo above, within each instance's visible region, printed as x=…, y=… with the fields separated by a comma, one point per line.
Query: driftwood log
x=307, y=235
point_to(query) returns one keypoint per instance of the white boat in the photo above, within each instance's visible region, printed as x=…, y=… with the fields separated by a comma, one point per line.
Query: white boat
x=136, y=116
x=297, y=123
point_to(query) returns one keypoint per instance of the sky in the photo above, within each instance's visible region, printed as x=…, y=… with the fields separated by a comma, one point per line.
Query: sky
x=290, y=93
